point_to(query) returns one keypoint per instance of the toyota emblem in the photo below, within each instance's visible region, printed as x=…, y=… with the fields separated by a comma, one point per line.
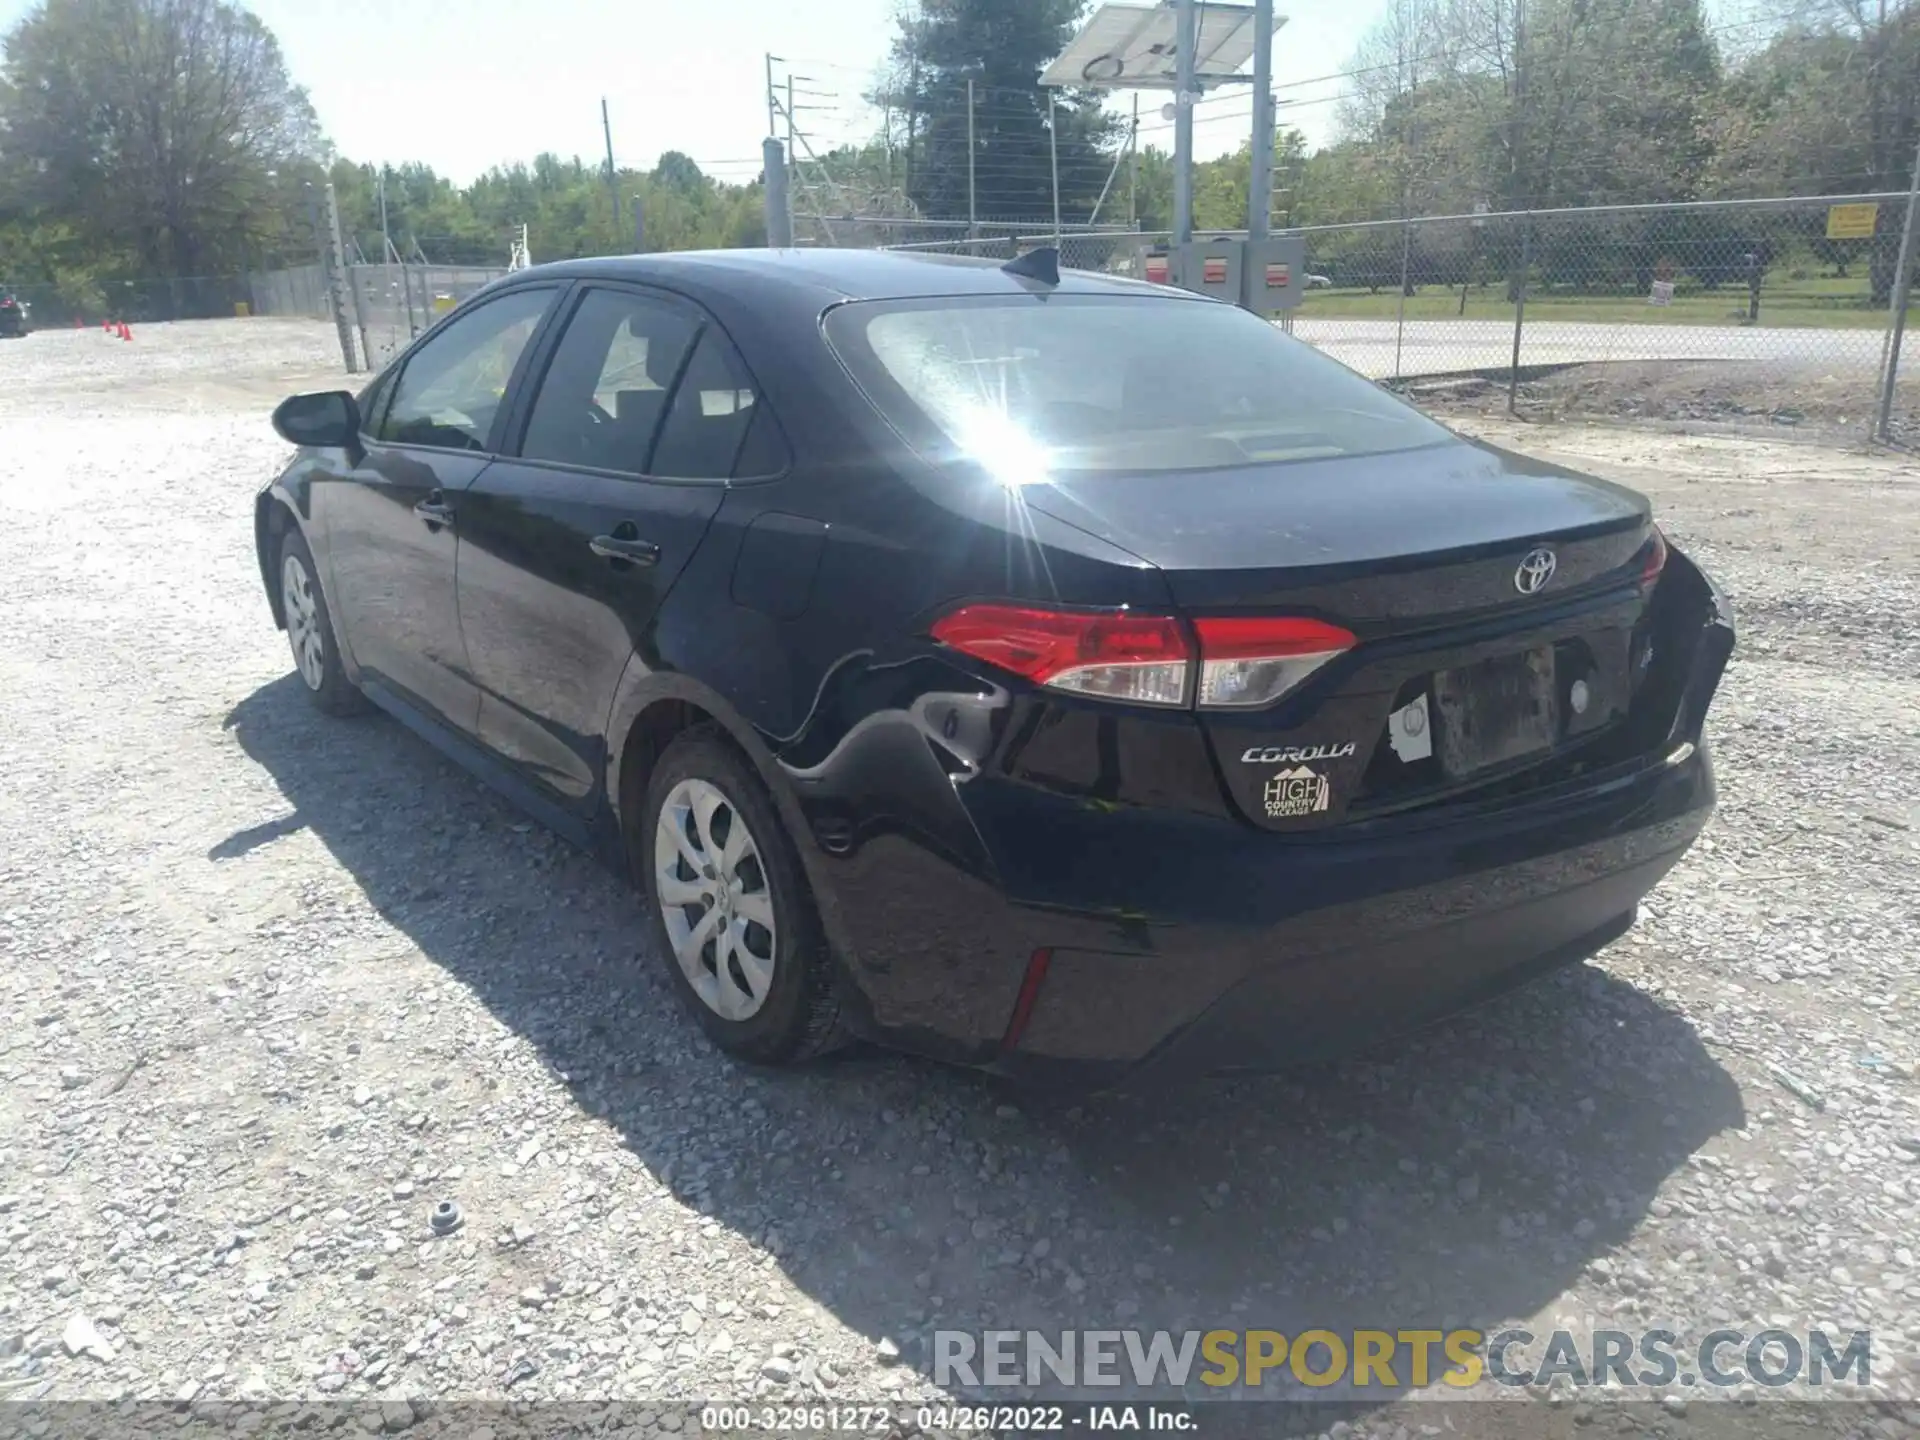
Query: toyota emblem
x=1535, y=571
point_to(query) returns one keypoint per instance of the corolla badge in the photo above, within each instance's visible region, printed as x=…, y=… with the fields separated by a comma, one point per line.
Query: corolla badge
x=1535, y=571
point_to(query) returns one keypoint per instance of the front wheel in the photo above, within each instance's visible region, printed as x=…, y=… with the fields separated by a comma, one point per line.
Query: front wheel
x=316, y=652
x=731, y=907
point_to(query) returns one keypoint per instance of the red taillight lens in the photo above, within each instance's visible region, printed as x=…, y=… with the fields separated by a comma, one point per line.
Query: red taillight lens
x=1117, y=655
x=1254, y=660
x=1654, y=559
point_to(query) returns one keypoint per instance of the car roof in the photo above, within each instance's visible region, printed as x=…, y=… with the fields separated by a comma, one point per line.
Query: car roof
x=833, y=275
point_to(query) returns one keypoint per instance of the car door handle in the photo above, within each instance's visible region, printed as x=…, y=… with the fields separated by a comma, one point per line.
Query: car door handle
x=617, y=547
x=434, y=511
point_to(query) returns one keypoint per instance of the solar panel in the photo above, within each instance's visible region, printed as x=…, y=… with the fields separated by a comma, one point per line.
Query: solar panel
x=1131, y=47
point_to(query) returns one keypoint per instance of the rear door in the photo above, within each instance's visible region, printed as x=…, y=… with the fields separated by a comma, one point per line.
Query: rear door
x=568, y=546
x=391, y=518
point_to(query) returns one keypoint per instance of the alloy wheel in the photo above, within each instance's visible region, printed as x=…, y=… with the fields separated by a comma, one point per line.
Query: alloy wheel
x=715, y=899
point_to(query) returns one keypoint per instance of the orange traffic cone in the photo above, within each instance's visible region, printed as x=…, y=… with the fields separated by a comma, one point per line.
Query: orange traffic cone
x=107, y=325
x=125, y=333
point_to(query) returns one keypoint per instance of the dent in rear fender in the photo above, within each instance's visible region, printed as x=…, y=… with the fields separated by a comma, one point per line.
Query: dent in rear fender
x=907, y=911
x=642, y=686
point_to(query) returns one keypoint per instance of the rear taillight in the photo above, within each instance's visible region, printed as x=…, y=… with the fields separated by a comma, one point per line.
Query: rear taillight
x=1114, y=654
x=1120, y=655
x=1254, y=660
x=1653, y=557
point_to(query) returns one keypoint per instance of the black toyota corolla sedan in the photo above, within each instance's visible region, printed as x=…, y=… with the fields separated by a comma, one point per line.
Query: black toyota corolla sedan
x=1037, y=670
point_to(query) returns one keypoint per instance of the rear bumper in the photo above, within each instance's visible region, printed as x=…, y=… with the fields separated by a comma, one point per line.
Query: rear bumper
x=1199, y=946
x=1327, y=979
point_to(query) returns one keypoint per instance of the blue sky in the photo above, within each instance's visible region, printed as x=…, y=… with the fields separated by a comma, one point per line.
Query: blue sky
x=467, y=84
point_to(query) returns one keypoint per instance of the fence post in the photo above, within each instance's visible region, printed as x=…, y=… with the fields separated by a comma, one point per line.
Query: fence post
x=1400, y=311
x=1902, y=284
x=773, y=165
x=1520, y=313
x=333, y=267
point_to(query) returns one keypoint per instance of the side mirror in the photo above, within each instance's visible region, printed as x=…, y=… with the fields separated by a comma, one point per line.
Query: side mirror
x=328, y=419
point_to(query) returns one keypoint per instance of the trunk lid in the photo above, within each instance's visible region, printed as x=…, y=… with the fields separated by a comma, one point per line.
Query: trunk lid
x=1422, y=555
x=1374, y=542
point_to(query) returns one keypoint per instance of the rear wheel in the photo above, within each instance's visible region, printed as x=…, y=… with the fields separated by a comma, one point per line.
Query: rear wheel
x=316, y=654
x=741, y=939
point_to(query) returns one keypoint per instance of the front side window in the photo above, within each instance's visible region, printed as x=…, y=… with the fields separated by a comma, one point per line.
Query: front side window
x=605, y=392
x=1032, y=386
x=453, y=386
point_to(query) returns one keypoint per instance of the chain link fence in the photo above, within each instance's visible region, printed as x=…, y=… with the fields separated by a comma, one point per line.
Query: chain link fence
x=299, y=290
x=393, y=303
x=92, y=302
x=1772, y=313
x=387, y=305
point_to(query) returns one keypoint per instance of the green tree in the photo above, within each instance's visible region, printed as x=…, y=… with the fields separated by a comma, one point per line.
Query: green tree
x=1831, y=105
x=150, y=135
x=1002, y=46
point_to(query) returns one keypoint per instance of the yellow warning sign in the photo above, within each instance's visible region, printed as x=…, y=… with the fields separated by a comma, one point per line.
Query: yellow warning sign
x=1851, y=222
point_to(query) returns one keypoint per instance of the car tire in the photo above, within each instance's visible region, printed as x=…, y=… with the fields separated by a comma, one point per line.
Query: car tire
x=310, y=633
x=758, y=977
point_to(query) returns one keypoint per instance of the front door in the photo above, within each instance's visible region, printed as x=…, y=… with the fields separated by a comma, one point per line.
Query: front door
x=392, y=519
x=568, y=548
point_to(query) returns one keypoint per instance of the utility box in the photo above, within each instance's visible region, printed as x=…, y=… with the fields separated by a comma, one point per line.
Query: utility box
x=1211, y=267
x=1276, y=271
x=1264, y=276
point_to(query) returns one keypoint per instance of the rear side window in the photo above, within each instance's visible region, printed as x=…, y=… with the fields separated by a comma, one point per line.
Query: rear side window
x=1032, y=385
x=711, y=414
x=605, y=394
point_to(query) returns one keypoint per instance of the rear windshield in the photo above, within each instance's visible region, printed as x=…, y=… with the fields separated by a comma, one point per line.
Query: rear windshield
x=1032, y=385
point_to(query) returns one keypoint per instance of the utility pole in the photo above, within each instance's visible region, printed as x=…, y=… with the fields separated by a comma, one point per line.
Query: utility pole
x=1902, y=281
x=1186, y=38
x=913, y=116
x=1133, y=166
x=340, y=282
x=774, y=192
x=973, y=212
x=1518, y=200
x=772, y=120
x=613, y=185
x=1260, y=182
x=386, y=236
x=1053, y=160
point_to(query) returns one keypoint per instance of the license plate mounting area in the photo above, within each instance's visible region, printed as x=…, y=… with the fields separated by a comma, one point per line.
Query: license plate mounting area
x=1496, y=711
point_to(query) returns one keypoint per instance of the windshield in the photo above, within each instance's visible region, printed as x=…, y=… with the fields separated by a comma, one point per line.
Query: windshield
x=1035, y=386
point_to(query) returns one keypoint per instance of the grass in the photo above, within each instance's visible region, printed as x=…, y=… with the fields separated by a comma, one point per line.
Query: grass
x=1819, y=302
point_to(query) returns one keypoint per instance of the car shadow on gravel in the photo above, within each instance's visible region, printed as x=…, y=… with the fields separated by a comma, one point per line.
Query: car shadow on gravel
x=1465, y=1176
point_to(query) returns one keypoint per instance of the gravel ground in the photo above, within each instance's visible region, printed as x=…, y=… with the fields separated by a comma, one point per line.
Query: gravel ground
x=271, y=986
